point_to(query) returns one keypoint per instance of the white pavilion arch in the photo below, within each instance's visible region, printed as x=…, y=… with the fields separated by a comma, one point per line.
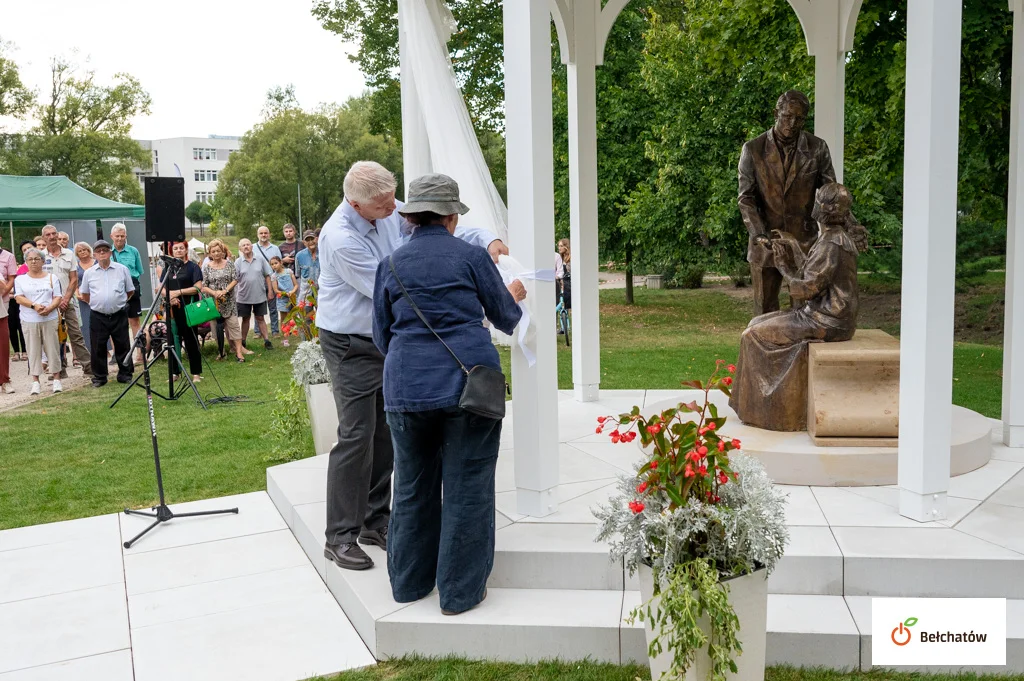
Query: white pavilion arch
x=929, y=236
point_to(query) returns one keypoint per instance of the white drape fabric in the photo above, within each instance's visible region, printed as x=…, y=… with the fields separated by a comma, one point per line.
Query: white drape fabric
x=427, y=25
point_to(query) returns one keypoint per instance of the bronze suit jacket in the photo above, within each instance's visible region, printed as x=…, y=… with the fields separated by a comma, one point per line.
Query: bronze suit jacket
x=771, y=198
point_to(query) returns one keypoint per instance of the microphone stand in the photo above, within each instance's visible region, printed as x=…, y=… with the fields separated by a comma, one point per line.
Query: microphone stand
x=161, y=512
x=140, y=342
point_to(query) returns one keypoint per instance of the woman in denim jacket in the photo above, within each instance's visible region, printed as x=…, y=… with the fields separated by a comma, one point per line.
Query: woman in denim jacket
x=437, y=444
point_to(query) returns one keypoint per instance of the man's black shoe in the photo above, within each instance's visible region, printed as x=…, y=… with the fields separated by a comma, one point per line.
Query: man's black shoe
x=124, y=379
x=98, y=384
x=375, y=537
x=348, y=556
x=267, y=344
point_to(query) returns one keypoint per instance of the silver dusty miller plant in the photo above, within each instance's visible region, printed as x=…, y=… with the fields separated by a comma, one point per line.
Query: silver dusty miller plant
x=308, y=364
x=744, y=531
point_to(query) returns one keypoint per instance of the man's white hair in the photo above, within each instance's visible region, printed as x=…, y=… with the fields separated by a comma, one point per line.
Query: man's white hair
x=46, y=227
x=368, y=180
x=119, y=227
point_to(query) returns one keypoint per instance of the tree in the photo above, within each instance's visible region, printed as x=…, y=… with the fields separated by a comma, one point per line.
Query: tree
x=199, y=212
x=280, y=99
x=15, y=99
x=312, y=148
x=83, y=131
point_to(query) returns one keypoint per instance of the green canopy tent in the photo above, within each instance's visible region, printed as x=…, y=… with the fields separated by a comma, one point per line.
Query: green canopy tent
x=56, y=198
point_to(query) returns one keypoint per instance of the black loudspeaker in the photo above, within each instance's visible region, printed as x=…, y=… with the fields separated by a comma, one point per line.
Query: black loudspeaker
x=165, y=209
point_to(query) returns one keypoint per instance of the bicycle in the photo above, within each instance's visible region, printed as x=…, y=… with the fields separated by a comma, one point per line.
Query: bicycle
x=563, y=319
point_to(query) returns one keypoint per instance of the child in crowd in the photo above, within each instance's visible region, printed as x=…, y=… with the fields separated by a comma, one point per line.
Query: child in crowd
x=284, y=284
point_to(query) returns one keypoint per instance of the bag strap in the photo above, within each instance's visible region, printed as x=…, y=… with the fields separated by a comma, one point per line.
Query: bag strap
x=423, y=319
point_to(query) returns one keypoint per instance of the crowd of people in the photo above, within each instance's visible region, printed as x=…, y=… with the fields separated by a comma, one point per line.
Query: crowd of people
x=64, y=308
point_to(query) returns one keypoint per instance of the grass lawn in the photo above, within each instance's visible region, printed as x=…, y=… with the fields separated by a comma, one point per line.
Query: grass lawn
x=70, y=456
x=461, y=670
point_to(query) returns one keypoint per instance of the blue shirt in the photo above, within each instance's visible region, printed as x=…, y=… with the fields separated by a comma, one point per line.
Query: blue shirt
x=107, y=289
x=352, y=248
x=308, y=266
x=454, y=284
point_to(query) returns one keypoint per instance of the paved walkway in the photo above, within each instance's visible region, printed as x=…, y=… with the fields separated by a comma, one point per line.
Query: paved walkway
x=216, y=598
x=22, y=383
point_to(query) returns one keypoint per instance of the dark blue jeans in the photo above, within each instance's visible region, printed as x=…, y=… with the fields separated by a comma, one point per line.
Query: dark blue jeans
x=449, y=544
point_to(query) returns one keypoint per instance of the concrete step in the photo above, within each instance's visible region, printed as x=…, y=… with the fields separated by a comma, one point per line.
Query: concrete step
x=934, y=561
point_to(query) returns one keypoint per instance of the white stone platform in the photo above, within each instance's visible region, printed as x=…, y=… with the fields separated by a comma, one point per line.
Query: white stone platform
x=555, y=593
x=215, y=598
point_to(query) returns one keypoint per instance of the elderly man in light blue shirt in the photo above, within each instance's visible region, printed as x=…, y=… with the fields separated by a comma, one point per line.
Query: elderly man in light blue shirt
x=364, y=230
x=106, y=288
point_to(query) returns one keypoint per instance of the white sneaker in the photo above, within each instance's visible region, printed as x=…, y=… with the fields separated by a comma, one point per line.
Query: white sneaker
x=35, y=388
x=7, y=388
x=57, y=387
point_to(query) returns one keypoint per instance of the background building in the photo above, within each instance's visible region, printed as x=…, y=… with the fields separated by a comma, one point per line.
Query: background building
x=197, y=159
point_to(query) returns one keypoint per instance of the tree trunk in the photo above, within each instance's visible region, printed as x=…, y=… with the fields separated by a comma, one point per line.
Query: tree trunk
x=629, y=275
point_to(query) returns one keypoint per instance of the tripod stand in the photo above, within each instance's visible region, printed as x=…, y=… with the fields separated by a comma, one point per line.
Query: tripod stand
x=161, y=513
x=140, y=342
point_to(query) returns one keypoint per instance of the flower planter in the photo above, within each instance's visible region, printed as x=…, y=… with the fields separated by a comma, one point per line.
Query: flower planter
x=654, y=281
x=323, y=416
x=749, y=598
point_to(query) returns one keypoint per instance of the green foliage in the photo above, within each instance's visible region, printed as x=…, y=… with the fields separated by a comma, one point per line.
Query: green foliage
x=690, y=596
x=15, y=98
x=83, y=131
x=289, y=426
x=293, y=147
x=690, y=276
x=198, y=212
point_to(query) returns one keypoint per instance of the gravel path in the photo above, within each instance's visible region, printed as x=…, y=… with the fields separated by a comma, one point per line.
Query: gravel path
x=23, y=383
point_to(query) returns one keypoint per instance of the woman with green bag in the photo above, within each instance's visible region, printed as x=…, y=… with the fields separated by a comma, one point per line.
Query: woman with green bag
x=184, y=289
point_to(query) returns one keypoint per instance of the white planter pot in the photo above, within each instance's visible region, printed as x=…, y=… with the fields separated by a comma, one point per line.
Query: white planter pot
x=749, y=597
x=323, y=416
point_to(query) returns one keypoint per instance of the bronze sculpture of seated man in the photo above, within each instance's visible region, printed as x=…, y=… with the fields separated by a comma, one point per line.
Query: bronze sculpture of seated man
x=770, y=390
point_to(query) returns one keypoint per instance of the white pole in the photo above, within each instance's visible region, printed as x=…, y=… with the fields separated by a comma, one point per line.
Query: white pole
x=11, y=224
x=929, y=255
x=530, y=165
x=415, y=144
x=582, y=91
x=1013, y=327
x=300, y=206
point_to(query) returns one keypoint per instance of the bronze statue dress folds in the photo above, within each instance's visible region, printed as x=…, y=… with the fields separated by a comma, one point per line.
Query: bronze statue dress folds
x=770, y=391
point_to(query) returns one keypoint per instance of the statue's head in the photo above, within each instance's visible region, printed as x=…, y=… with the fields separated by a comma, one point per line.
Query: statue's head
x=790, y=114
x=832, y=204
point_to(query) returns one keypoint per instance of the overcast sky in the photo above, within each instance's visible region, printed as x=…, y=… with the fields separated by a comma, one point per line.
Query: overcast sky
x=206, y=64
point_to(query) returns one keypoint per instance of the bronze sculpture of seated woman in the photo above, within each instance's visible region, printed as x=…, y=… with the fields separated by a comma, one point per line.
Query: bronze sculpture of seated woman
x=770, y=389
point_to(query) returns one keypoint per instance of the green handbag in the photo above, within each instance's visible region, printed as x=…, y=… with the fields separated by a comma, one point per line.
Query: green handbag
x=201, y=311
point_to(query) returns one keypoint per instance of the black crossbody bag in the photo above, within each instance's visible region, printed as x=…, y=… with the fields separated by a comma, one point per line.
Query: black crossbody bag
x=484, y=394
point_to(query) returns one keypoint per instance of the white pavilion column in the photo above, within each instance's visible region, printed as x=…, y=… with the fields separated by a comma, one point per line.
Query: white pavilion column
x=828, y=29
x=582, y=92
x=929, y=255
x=1013, y=327
x=415, y=143
x=531, y=219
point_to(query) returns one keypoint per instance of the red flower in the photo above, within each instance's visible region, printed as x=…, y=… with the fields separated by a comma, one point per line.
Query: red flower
x=727, y=380
x=721, y=445
x=703, y=470
x=629, y=437
x=616, y=436
x=723, y=478
x=719, y=362
x=693, y=456
x=701, y=431
x=641, y=488
x=602, y=419
x=731, y=368
x=688, y=472
x=735, y=444
x=636, y=506
x=702, y=450
x=654, y=465
x=597, y=430
x=711, y=425
x=654, y=429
